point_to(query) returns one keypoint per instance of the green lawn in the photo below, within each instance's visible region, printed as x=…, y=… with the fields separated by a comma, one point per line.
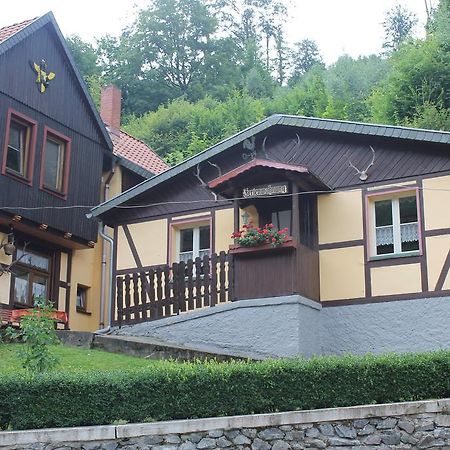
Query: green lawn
x=74, y=359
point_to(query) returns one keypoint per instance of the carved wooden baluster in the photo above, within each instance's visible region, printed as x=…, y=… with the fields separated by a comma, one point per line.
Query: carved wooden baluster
x=198, y=283
x=182, y=285
x=222, y=277
x=127, y=299
x=213, y=280
x=136, y=298
x=167, y=298
x=159, y=291
x=190, y=284
x=206, y=272
x=120, y=300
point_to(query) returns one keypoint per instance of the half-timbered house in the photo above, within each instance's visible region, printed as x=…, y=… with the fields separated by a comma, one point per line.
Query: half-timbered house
x=365, y=266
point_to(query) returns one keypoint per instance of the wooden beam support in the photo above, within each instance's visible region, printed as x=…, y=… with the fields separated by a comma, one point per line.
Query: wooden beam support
x=295, y=213
x=236, y=211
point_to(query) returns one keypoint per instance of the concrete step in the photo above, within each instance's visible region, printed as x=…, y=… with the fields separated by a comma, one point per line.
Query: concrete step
x=146, y=347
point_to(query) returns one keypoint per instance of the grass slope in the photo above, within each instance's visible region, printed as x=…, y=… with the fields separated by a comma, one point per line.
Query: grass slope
x=74, y=360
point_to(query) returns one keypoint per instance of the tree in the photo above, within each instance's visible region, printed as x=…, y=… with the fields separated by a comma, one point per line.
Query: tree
x=439, y=21
x=85, y=56
x=398, y=25
x=305, y=56
x=350, y=82
x=281, y=59
x=173, y=37
x=419, y=77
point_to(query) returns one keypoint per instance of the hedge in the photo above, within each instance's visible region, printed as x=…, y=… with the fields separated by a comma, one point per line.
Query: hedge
x=169, y=390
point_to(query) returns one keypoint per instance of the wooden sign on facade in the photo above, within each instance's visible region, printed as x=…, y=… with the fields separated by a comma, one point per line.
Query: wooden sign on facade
x=265, y=190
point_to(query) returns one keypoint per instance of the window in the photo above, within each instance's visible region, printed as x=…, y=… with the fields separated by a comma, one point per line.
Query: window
x=193, y=243
x=277, y=211
x=31, y=277
x=55, y=163
x=81, y=304
x=396, y=226
x=19, y=147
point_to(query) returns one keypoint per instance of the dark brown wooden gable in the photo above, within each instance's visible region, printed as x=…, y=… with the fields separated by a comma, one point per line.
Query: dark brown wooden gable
x=63, y=100
x=327, y=155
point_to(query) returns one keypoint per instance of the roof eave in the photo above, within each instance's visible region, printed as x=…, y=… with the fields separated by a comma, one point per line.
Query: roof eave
x=277, y=119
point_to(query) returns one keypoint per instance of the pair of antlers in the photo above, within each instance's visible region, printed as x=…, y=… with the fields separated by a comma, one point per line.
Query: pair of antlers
x=363, y=173
x=197, y=172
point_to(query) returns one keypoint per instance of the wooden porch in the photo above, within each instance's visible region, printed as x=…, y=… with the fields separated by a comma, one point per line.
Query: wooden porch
x=242, y=273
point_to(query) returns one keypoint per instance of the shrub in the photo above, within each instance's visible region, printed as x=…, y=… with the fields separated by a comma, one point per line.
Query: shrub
x=169, y=390
x=37, y=332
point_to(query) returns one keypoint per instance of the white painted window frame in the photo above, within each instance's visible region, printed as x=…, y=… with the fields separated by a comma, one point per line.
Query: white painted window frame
x=196, y=250
x=396, y=225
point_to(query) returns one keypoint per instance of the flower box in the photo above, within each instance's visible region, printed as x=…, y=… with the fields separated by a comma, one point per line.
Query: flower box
x=239, y=249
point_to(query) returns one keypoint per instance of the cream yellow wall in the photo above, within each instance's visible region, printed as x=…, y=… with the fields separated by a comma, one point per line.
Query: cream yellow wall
x=342, y=273
x=224, y=228
x=340, y=217
x=63, y=266
x=437, y=250
x=5, y=279
x=61, y=305
x=150, y=240
x=402, y=279
x=86, y=271
x=5, y=285
x=115, y=184
x=436, y=198
x=125, y=259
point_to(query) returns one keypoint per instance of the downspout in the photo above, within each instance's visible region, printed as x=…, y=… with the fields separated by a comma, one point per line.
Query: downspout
x=109, y=239
x=103, y=274
x=111, y=242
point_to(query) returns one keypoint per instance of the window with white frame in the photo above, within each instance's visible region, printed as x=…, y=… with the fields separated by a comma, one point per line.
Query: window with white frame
x=193, y=242
x=395, y=226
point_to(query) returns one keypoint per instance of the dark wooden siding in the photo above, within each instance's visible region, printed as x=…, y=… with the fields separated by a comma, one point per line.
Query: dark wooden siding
x=326, y=154
x=84, y=179
x=64, y=109
x=63, y=100
x=130, y=179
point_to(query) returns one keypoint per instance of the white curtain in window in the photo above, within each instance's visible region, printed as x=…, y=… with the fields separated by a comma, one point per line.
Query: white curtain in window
x=385, y=235
x=409, y=232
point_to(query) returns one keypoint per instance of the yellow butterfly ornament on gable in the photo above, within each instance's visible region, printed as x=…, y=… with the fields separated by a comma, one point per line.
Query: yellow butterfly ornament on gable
x=43, y=76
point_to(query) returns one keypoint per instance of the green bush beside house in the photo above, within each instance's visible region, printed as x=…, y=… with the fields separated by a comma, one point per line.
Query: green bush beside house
x=169, y=390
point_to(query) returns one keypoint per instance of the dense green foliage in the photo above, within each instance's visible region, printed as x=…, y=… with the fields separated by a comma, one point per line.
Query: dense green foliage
x=170, y=390
x=193, y=72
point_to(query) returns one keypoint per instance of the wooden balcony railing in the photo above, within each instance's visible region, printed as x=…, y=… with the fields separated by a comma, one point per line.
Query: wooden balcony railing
x=164, y=291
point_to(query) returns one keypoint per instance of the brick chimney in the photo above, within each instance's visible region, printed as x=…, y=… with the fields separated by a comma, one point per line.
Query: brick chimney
x=110, y=103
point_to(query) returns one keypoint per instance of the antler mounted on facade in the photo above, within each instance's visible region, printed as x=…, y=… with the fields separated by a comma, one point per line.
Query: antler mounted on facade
x=251, y=152
x=197, y=173
x=7, y=268
x=363, y=173
x=295, y=150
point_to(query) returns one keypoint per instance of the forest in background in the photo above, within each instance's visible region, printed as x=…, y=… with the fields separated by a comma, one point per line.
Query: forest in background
x=193, y=72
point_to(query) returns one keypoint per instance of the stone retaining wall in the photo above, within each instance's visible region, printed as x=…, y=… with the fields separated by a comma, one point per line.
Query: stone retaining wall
x=413, y=425
x=293, y=325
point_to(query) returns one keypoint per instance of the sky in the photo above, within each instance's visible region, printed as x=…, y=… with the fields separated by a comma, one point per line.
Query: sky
x=338, y=26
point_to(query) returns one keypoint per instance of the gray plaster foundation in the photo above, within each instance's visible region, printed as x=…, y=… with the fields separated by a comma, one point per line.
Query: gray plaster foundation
x=293, y=325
